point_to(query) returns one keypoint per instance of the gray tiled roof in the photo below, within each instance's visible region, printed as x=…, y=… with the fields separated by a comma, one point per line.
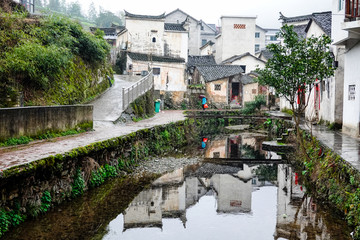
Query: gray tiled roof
x=247, y=79
x=174, y=27
x=216, y=72
x=237, y=57
x=266, y=54
x=154, y=58
x=200, y=60
x=127, y=14
x=301, y=30
x=323, y=19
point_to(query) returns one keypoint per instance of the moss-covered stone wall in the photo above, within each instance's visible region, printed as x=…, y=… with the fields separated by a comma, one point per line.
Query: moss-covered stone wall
x=332, y=180
x=31, y=189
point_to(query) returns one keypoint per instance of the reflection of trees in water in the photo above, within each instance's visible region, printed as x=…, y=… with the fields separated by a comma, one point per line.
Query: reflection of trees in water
x=267, y=172
x=248, y=151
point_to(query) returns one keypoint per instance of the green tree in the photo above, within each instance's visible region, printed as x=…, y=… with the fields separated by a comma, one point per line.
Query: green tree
x=92, y=13
x=54, y=5
x=74, y=9
x=107, y=18
x=294, y=68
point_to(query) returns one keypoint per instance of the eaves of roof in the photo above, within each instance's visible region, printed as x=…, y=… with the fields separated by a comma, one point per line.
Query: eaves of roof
x=155, y=58
x=237, y=57
x=157, y=17
x=216, y=72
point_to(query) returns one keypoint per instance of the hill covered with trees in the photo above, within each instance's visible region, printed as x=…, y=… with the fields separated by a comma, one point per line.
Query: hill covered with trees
x=49, y=60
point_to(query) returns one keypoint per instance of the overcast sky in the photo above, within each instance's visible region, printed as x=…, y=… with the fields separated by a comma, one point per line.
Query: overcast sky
x=267, y=11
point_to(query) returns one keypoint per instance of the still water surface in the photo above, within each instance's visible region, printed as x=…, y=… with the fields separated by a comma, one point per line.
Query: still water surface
x=237, y=196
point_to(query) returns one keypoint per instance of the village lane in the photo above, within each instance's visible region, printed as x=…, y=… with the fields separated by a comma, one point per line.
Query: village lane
x=19, y=155
x=108, y=107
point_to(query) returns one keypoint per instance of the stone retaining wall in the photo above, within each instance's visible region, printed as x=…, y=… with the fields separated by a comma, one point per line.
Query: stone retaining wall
x=34, y=121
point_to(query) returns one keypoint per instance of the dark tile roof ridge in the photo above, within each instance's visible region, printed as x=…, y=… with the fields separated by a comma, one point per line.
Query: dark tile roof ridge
x=219, y=71
x=127, y=14
x=179, y=27
x=155, y=58
x=301, y=17
x=198, y=60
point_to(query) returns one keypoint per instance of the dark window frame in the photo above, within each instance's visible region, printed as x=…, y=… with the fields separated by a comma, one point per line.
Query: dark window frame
x=156, y=71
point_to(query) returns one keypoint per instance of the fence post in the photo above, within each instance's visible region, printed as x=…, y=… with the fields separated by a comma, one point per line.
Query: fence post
x=123, y=98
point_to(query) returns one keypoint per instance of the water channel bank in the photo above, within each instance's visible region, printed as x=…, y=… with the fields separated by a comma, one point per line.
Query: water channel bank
x=31, y=189
x=196, y=199
x=35, y=188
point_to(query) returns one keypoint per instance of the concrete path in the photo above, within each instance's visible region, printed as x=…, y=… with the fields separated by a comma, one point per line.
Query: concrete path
x=13, y=156
x=109, y=106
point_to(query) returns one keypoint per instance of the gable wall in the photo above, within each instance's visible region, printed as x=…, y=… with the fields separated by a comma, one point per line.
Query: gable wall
x=194, y=30
x=141, y=33
x=251, y=63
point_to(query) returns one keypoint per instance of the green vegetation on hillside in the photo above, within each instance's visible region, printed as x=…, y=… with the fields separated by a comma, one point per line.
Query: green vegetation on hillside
x=51, y=60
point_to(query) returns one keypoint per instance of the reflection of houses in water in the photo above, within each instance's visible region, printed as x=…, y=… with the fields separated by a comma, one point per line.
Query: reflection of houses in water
x=245, y=145
x=297, y=216
x=232, y=194
x=144, y=210
x=168, y=197
x=289, y=195
x=216, y=149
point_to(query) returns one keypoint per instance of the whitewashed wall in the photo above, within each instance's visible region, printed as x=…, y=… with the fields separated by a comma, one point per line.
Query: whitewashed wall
x=235, y=41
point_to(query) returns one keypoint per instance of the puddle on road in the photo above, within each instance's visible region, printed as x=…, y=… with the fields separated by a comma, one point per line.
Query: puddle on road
x=235, y=197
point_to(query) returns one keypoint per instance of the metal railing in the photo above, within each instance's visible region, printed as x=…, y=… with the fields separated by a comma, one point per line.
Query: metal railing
x=352, y=8
x=136, y=90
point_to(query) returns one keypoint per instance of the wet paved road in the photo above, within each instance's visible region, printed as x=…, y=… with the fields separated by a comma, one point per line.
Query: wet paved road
x=109, y=106
x=13, y=156
x=345, y=146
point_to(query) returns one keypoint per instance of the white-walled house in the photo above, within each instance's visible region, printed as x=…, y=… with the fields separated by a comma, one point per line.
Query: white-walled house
x=199, y=33
x=248, y=62
x=271, y=36
x=325, y=100
x=260, y=36
x=346, y=36
x=152, y=44
x=237, y=37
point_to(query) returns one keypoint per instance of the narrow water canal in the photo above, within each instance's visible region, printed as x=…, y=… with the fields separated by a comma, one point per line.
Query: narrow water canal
x=235, y=191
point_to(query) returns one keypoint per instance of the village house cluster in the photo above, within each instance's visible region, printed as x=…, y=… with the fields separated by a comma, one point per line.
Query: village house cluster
x=182, y=51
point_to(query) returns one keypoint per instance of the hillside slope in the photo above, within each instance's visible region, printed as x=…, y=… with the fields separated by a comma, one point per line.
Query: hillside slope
x=49, y=60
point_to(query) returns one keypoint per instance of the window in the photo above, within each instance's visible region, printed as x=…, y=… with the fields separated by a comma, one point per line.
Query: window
x=156, y=71
x=203, y=42
x=216, y=154
x=351, y=92
x=154, y=39
x=217, y=87
x=341, y=5
x=243, y=68
x=257, y=47
x=257, y=35
x=273, y=38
